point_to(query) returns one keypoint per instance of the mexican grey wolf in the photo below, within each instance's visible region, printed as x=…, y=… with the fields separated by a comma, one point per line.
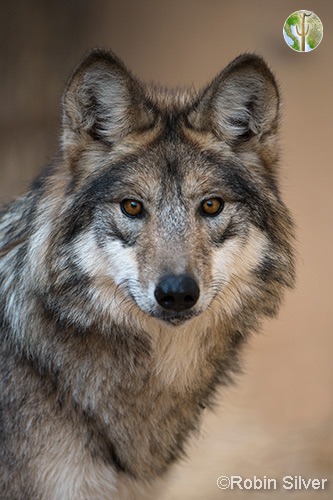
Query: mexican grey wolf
x=132, y=273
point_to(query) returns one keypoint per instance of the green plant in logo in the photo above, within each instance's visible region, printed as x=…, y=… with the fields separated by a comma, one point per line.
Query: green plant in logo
x=303, y=31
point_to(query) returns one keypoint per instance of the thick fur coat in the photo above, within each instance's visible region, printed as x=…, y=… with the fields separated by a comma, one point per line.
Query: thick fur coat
x=131, y=273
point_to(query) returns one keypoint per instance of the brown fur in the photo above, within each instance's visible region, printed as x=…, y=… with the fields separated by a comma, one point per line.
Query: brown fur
x=101, y=385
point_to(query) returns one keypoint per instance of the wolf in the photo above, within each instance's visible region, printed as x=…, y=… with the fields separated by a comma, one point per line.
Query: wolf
x=131, y=274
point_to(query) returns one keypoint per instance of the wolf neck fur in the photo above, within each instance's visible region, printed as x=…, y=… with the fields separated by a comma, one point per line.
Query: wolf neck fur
x=165, y=376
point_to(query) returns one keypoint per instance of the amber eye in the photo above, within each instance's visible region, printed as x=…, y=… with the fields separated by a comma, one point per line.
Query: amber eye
x=131, y=208
x=212, y=206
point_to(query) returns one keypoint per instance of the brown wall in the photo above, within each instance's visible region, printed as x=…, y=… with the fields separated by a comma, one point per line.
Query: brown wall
x=278, y=420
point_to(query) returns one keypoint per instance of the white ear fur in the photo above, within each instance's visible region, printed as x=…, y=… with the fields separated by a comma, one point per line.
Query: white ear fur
x=104, y=100
x=241, y=102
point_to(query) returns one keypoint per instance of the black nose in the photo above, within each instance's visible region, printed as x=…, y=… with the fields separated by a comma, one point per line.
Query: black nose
x=177, y=293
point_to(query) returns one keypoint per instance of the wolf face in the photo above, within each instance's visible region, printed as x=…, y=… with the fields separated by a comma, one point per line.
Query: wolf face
x=174, y=199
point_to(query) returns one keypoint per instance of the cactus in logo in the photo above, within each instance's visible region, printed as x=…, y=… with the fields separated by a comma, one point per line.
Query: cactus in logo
x=303, y=33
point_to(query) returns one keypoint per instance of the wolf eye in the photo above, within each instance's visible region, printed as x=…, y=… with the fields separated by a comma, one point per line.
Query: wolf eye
x=131, y=208
x=212, y=206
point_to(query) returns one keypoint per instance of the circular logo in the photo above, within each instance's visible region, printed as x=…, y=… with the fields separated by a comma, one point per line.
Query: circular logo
x=303, y=31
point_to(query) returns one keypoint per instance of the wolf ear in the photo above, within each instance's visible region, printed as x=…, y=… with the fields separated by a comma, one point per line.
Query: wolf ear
x=102, y=99
x=241, y=102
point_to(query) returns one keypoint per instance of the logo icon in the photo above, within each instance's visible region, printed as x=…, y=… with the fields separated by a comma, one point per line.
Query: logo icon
x=303, y=31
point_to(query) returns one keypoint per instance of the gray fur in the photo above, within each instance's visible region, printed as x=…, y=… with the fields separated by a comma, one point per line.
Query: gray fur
x=100, y=386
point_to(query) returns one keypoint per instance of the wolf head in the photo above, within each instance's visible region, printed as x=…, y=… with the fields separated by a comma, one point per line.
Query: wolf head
x=171, y=207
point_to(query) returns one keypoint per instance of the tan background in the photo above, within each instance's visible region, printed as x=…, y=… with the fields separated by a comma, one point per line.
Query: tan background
x=278, y=420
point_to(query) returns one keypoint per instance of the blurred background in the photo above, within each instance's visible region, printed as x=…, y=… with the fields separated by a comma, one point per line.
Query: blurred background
x=277, y=420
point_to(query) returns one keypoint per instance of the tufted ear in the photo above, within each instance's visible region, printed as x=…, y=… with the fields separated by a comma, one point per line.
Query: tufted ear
x=242, y=102
x=102, y=99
